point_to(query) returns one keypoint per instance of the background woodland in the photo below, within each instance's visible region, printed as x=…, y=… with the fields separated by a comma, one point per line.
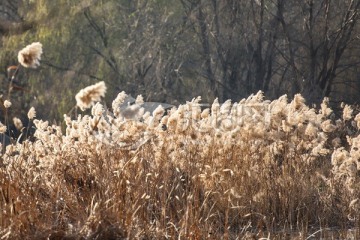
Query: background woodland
x=174, y=50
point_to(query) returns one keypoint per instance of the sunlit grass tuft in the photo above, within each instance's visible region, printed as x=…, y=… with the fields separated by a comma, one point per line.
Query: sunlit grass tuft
x=250, y=169
x=246, y=170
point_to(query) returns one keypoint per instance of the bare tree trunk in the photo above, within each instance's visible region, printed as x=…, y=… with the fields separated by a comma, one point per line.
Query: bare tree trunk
x=206, y=50
x=344, y=36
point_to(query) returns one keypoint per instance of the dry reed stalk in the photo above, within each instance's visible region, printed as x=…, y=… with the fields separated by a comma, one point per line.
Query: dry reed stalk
x=252, y=169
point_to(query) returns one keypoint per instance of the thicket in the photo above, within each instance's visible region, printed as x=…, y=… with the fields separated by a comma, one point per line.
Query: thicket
x=248, y=169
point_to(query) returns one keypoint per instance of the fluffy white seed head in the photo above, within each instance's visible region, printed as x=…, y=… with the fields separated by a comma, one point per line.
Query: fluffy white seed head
x=7, y=104
x=2, y=128
x=30, y=56
x=87, y=97
x=32, y=113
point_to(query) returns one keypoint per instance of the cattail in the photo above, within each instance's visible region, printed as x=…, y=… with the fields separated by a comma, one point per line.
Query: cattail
x=89, y=95
x=30, y=55
x=32, y=113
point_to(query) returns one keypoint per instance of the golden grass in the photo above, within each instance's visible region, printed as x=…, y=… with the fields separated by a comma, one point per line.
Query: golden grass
x=250, y=170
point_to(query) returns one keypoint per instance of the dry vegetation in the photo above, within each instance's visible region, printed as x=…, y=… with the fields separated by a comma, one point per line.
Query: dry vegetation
x=247, y=170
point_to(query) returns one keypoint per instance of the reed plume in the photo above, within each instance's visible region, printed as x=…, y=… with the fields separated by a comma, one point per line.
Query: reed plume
x=30, y=56
x=86, y=97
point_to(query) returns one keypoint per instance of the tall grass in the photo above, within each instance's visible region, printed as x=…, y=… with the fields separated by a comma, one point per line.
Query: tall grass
x=247, y=170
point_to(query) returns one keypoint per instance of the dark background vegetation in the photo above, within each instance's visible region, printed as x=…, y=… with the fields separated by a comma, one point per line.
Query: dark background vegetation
x=173, y=50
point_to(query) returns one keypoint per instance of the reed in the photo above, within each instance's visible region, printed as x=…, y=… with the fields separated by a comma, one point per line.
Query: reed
x=246, y=170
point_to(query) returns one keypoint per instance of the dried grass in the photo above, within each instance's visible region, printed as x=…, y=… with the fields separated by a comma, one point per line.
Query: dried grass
x=249, y=170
